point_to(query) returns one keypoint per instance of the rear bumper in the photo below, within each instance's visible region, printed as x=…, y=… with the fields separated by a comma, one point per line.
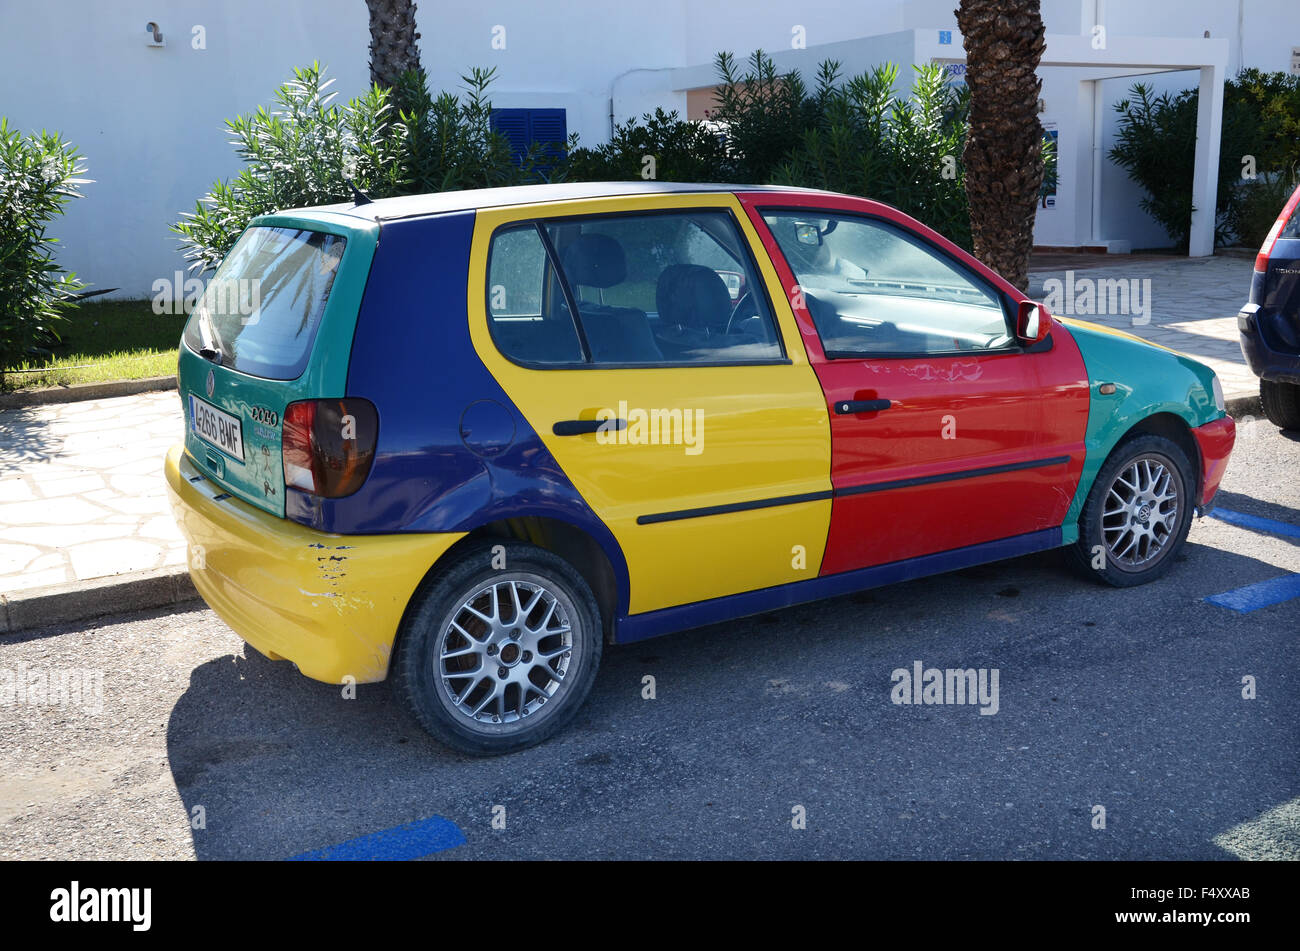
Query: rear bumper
x=1214, y=440
x=332, y=604
x=1265, y=362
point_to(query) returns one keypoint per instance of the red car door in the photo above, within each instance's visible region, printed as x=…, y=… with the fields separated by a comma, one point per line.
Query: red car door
x=945, y=431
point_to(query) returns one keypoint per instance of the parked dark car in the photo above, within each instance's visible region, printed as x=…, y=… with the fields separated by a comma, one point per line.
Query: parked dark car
x=1270, y=321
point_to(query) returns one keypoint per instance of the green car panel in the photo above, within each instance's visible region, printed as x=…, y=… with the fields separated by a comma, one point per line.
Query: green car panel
x=260, y=403
x=1148, y=379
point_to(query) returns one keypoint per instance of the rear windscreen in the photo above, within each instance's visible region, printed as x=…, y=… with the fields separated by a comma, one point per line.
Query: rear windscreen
x=260, y=312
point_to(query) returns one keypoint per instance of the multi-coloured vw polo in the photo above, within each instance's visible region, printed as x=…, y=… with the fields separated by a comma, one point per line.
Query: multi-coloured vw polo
x=465, y=440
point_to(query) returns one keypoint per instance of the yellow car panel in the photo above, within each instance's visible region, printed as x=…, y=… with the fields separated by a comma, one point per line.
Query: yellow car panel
x=329, y=603
x=765, y=436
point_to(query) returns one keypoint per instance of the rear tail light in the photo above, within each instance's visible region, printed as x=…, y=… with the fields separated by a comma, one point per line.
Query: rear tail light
x=1261, y=259
x=327, y=446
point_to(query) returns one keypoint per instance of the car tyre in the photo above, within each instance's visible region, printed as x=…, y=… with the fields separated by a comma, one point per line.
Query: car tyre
x=1136, y=517
x=498, y=649
x=1281, y=403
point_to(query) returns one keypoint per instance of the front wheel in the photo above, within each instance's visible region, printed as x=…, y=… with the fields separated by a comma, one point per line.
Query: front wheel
x=499, y=650
x=1281, y=403
x=1137, y=515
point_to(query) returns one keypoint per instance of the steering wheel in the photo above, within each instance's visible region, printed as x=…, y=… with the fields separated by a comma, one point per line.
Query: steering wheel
x=744, y=308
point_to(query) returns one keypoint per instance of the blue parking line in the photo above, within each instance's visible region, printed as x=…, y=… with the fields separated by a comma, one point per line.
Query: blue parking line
x=1255, y=523
x=1261, y=594
x=400, y=843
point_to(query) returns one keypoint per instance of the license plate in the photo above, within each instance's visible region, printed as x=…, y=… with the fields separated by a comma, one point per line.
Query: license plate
x=217, y=428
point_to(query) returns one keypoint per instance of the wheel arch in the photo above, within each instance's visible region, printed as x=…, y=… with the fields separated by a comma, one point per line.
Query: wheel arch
x=564, y=539
x=1174, y=428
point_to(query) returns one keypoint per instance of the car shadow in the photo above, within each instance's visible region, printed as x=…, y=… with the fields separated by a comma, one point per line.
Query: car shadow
x=270, y=765
x=1247, y=505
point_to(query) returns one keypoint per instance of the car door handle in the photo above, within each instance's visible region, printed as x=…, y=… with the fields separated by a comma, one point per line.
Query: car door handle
x=847, y=407
x=578, y=427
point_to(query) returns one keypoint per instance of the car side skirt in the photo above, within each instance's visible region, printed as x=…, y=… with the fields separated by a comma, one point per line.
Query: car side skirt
x=639, y=627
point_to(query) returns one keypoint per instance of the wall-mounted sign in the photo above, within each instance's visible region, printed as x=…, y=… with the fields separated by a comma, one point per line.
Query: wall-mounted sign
x=955, y=73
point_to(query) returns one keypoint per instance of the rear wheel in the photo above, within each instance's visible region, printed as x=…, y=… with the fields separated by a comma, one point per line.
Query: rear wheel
x=1138, y=512
x=1281, y=403
x=496, y=659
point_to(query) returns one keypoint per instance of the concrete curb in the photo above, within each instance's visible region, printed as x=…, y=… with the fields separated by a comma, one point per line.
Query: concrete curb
x=1249, y=405
x=82, y=600
x=86, y=391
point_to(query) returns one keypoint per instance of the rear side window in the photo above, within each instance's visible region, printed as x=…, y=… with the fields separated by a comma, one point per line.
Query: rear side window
x=649, y=289
x=261, y=310
x=527, y=310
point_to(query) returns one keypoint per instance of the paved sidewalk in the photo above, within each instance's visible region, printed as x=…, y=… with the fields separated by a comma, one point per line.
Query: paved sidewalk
x=81, y=486
x=1193, y=305
x=81, y=490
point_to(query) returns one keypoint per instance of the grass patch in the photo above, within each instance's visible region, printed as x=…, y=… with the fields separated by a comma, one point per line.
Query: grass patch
x=120, y=340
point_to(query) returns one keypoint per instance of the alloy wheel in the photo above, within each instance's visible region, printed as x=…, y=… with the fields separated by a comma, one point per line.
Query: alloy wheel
x=1141, y=511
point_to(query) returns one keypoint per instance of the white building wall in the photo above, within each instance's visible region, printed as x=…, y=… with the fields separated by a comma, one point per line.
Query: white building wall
x=150, y=120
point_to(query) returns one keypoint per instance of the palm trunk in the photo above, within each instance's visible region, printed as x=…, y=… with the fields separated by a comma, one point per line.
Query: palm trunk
x=393, y=47
x=1004, y=147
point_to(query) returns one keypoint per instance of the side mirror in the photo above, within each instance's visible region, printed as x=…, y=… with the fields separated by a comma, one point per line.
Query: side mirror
x=1033, y=322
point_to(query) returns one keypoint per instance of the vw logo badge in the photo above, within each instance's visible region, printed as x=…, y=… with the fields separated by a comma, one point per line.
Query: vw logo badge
x=211, y=382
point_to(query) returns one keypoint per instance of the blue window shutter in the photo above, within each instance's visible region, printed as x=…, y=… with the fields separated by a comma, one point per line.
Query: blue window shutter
x=524, y=127
x=515, y=126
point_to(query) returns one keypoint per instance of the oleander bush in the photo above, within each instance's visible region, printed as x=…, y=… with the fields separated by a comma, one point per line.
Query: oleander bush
x=905, y=152
x=39, y=174
x=310, y=149
x=1259, y=153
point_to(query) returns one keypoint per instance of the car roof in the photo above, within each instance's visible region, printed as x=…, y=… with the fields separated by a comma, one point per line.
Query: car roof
x=434, y=203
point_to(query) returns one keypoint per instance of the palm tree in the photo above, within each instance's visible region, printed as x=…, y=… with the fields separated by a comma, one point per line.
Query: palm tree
x=1004, y=147
x=393, y=48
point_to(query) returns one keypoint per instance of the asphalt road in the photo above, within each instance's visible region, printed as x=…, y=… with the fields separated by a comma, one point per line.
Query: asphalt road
x=1131, y=700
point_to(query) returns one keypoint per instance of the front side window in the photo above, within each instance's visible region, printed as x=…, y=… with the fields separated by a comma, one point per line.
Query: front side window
x=649, y=289
x=260, y=312
x=872, y=288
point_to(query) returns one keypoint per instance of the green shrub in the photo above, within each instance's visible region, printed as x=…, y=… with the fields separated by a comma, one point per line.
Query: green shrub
x=305, y=150
x=1269, y=104
x=309, y=150
x=764, y=112
x=683, y=151
x=1156, y=145
x=38, y=174
x=1258, y=206
x=907, y=153
x=447, y=142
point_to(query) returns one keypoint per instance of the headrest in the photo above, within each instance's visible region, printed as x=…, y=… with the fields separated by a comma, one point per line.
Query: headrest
x=694, y=297
x=595, y=260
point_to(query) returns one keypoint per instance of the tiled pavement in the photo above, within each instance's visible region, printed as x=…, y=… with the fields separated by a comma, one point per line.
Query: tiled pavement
x=82, y=492
x=81, y=486
x=1193, y=305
